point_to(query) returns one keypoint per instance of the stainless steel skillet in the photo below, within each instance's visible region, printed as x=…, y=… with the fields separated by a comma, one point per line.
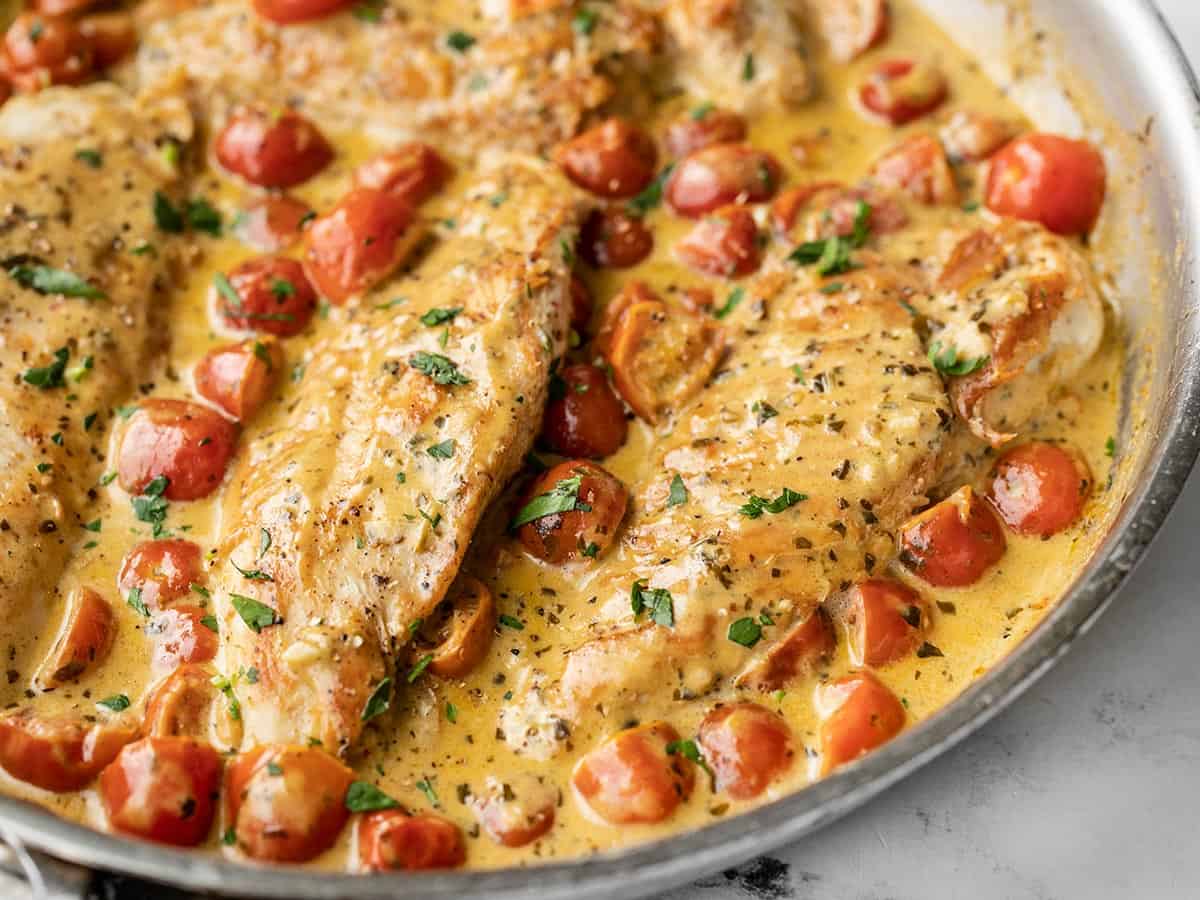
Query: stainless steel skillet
x=1132, y=65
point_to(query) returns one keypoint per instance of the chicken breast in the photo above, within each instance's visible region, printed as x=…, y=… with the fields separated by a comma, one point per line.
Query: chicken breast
x=353, y=512
x=81, y=305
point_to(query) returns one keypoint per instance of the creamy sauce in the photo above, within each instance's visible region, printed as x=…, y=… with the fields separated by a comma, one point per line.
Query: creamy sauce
x=424, y=744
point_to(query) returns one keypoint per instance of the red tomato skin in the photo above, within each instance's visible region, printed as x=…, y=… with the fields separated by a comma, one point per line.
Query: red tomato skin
x=163, y=789
x=274, y=223
x=587, y=420
x=581, y=305
x=393, y=840
x=164, y=570
x=276, y=297
x=562, y=536
x=357, y=243
x=746, y=746
x=1050, y=179
x=877, y=92
x=112, y=36
x=289, y=12
x=414, y=172
x=919, y=167
x=724, y=244
x=272, y=151
x=58, y=753
x=954, y=542
x=630, y=779
x=862, y=714
x=690, y=133
x=720, y=175
x=291, y=816
x=238, y=379
x=886, y=621
x=1040, y=489
x=613, y=239
x=86, y=637
x=43, y=50
x=799, y=651
x=188, y=443
x=614, y=159
x=180, y=637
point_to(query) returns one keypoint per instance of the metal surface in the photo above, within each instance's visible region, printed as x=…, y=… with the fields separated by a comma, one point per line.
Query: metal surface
x=1124, y=49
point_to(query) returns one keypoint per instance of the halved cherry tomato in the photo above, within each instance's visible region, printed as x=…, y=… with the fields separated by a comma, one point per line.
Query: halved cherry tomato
x=719, y=175
x=834, y=209
x=1040, y=488
x=62, y=7
x=885, y=621
x=85, y=638
x=954, y=542
x=613, y=239
x=274, y=296
x=517, y=811
x=804, y=647
x=703, y=128
x=239, y=378
x=414, y=172
x=42, y=50
x=59, y=753
x=1049, y=179
x=723, y=243
x=357, y=244
x=851, y=27
x=112, y=36
x=393, y=839
x=584, y=416
x=288, y=12
x=580, y=532
x=188, y=443
x=746, y=746
x=163, y=789
x=974, y=136
x=919, y=167
x=858, y=714
x=459, y=633
x=180, y=636
x=180, y=704
x=613, y=159
x=631, y=779
x=581, y=305
x=274, y=222
x=286, y=803
x=901, y=90
x=163, y=570
x=272, y=151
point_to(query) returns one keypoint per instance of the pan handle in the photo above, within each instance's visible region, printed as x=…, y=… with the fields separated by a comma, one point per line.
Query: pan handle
x=45, y=877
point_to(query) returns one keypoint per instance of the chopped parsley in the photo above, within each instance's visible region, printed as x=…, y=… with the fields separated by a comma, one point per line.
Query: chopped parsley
x=210, y=622
x=252, y=574
x=152, y=506
x=763, y=410
x=362, y=796
x=419, y=669
x=440, y=368
x=748, y=70
x=202, y=216
x=756, y=506
x=451, y=713
x=264, y=542
x=440, y=316
x=281, y=288
x=1110, y=448
x=688, y=749
x=117, y=703
x=90, y=157
x=658, y=602
x=46, y=280
x=50, y=376
x=745, y=631
x=426, y=787
x=700, y=113
x=678, y=494
x=460, y=41
x=651, y=195
x=562, y=498
x=444, y=450
x=831, y=255
x=736, y=296
x=947, y=361
x=94, y=525
x=369, y=11
x=135, y=601
x=584, y=22
x=256, y=615
x=511, y=622
x=166, y=216
x=379, y=701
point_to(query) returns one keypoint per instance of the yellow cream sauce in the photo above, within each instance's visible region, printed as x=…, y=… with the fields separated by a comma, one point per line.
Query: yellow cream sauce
x=420, y=744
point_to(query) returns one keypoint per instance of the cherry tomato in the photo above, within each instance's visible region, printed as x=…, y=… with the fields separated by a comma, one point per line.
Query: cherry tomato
x=274, y=222
x=272, y=151
x=703, y=128
x=286, y=803
x=357, y=244
x=858, y=714
x=746, y=746
x=180, y=636
x=85, y=638
x=180, y=704
x=833, y=209
x=581, y=305
x=885, y=621
x=163, y=789
x=274, y=296
x=613, y=239
x=1049, y=179
x=288, y=12
x=188, y=443
x=1040, y=489
x=723, y=243
x=901, y=90
x=414, y=172
x=112, y=36
x=43, y=50
x=58, y=753
x=517, y=811
x=917, y=166
x=631, y=779
x=560, y=536
x=613, y=159
x=584, y=416
x=954, y=542
x=62, y=7
x=804, y=647
x=852, y=27
x=973, y=136
x=720, y=175
x=459, y=633
x=163, y=570
x=393, y=839
x=239, y=378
